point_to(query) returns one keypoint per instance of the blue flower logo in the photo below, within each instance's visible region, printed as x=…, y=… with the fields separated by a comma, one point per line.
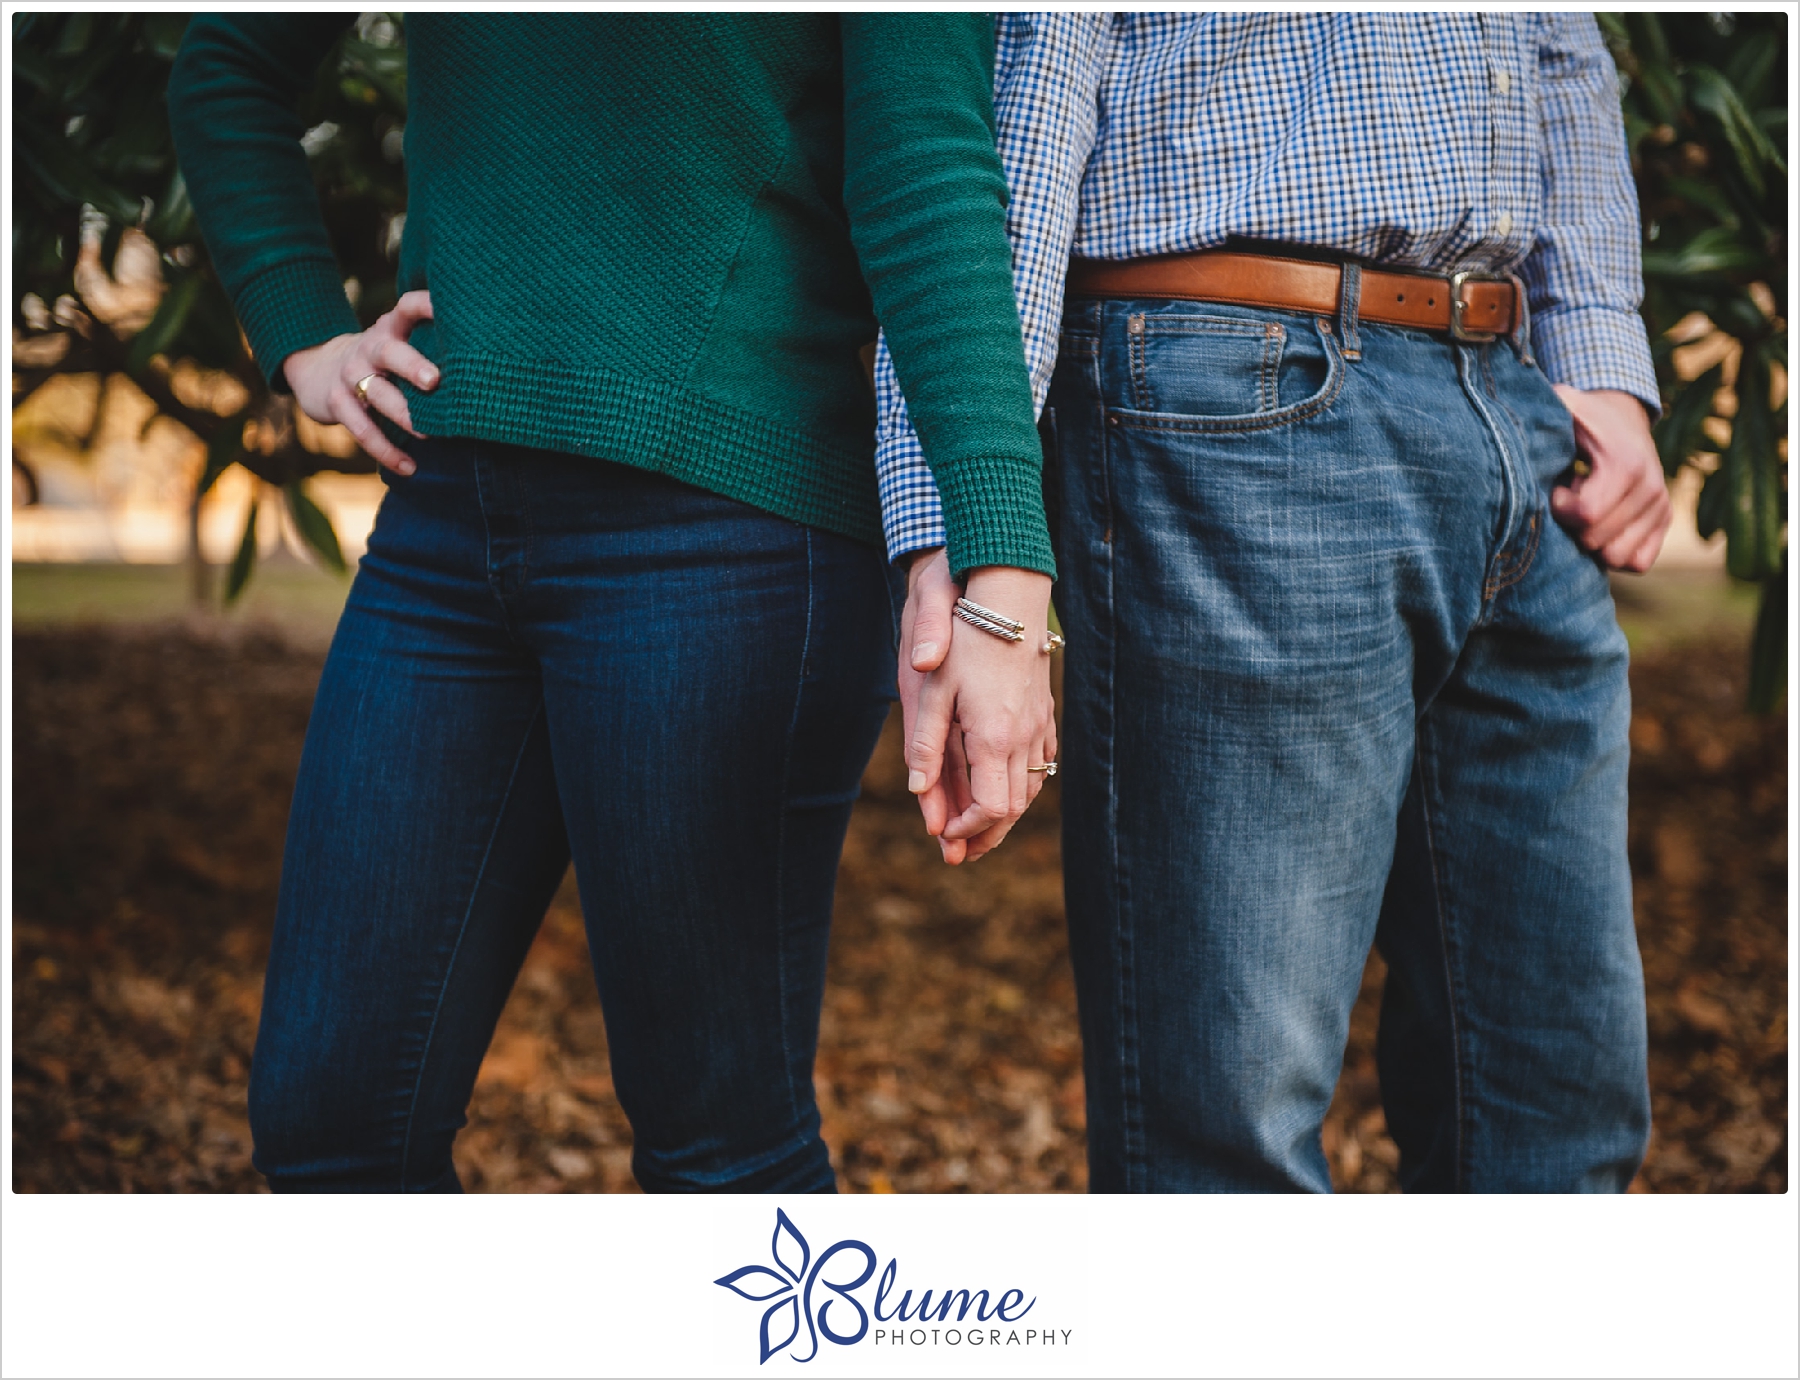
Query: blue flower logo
x=791, y=1284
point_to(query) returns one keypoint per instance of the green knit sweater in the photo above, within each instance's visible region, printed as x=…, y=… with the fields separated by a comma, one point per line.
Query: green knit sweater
x=662, y=240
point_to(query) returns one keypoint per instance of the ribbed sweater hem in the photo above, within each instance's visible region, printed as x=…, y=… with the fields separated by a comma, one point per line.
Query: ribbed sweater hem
x=994, y=503
x=658, y=427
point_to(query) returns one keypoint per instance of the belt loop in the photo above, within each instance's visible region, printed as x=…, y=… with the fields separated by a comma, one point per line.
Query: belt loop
x=1349, y=296
x=1521, y=335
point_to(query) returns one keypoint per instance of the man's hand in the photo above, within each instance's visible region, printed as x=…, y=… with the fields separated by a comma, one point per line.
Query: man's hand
x=324, y=378
x=1620, y=509
x=977, y=709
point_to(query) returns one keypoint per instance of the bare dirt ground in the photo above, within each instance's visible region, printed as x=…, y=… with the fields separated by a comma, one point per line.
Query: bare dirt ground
x=151, y=778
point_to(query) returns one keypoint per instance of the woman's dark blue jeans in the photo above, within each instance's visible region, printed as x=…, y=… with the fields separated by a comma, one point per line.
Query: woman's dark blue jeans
x=543, y=655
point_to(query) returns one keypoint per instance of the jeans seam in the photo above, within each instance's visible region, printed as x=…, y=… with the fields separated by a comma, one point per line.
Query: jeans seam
x=1440, y=906
x=1268, y=382
x=1508, y=569
x=412, y=1110
x=1134, y=355
x=781, y=834
x=487, y=548
x=1131, y=1093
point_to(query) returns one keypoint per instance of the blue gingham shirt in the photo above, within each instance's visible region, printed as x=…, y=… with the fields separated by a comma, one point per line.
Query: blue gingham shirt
x=1437, y=141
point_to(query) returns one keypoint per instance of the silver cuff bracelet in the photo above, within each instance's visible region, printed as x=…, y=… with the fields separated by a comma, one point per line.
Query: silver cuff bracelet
x=996, y=624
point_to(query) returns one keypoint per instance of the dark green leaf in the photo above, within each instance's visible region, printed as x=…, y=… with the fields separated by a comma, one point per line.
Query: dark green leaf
x=77, y=34
x=1738, y=315
x=1681, y=431
x=162, y=34
x=171, y=315
x=245, y=559
x=1664, y=93
x=1713, y=94
x=69, y=179
x=1768, y=647
x=226, y=444
x=1748, y=70
x=173, y=222
x=1752, y=516
x=1715, y=250
x=314, y=527
x=1648, y=38
x=33, y=71
x=212, y=337
x=1704, y=196
x=1715, y=498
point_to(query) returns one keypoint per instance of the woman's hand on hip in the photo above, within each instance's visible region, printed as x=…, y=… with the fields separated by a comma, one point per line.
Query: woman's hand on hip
x=977, y=708
x=325, y=378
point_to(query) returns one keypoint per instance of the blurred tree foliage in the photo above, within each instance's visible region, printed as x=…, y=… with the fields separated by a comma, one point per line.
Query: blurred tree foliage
x=1705, y=100
x=96, y=189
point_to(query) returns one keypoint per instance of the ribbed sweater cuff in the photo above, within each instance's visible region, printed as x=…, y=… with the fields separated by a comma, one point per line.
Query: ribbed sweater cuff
x=994, y=513
x=292, y=306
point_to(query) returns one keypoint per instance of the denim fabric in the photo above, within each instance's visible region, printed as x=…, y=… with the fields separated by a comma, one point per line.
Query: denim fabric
x=1334, y=679
x=542, y=654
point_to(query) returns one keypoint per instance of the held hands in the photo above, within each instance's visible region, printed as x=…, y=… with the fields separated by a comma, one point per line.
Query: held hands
x=977, y=708
x=325, y=379
x=1620, y=509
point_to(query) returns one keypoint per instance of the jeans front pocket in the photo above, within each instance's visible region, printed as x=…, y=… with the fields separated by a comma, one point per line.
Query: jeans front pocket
x=1203, y=364
x=1201, y=371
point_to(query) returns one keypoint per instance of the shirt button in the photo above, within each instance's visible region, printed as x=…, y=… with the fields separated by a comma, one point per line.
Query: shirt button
x=1503, y=226
x=1502, y=81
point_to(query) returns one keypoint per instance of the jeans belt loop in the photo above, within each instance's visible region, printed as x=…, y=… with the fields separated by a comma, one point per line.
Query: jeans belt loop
x=1521, y=336
x=1349, y=295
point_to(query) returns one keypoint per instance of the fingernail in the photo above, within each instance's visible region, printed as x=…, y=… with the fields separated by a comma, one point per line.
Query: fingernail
x=915, y=781
x=924, y=652
x=407, y=467
x=429, y=380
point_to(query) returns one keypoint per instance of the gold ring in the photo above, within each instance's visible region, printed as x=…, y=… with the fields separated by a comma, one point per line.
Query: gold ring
x=362, y=388
x=1049, y=768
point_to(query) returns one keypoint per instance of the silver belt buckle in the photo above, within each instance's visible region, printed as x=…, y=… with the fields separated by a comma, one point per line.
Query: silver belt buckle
x=1459, y=330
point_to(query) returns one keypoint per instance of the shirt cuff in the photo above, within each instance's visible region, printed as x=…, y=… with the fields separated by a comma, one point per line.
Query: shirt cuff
x=1597, y=347
x=912, y=516
x=292, y=306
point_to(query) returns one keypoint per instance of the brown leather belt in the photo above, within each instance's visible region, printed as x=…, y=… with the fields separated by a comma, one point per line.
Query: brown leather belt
x=1469, y=306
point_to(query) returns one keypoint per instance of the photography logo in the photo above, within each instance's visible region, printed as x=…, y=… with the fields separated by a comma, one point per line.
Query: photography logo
x=811, y=1298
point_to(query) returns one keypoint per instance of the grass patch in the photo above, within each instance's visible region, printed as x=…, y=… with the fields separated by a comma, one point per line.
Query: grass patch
x=300, y=600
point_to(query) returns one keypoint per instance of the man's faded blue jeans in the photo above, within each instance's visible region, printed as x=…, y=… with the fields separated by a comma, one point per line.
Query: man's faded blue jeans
x=1335, y=679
